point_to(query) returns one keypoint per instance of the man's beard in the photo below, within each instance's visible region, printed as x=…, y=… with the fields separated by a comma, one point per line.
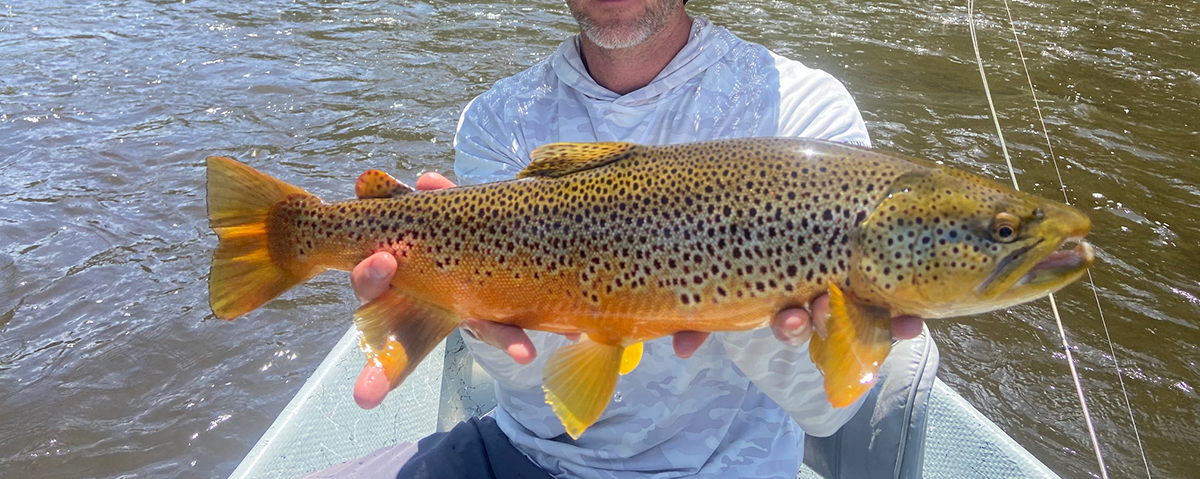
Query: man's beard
x=614, y=37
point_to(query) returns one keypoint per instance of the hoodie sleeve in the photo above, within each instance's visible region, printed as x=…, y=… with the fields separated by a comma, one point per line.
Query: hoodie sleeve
x=482, y=154
x=786, y=375
x=814, y=104
x=504, y=370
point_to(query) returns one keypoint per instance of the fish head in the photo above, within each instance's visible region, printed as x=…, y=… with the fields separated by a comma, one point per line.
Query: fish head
x=946, y=243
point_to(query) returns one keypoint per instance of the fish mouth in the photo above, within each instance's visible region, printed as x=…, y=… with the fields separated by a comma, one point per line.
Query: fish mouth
x=1060, y=266
x=1073, y=256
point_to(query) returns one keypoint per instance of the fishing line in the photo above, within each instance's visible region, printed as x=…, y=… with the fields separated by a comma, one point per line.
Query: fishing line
x=1013, y=175
x=1095, y=293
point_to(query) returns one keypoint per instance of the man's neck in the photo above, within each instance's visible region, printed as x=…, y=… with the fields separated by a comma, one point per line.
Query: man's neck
x=628, y=69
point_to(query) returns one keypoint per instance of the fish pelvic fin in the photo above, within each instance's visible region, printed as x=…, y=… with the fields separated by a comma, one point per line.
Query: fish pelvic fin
x=560, y=159
x=377, y=184
x=249, y=266
x=857, y=339
x=579, y=381
x=398, y=332
x=630, y=358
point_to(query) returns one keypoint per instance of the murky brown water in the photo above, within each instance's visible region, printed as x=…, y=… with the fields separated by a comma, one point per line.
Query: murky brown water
x=111, y=363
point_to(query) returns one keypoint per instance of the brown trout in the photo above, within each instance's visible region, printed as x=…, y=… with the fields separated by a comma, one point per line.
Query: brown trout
x=627, y=243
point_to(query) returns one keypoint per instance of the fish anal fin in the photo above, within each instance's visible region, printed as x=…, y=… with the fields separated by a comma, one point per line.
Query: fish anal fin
x=377, y=184
x=579, y=381
x=560, y=159
x=630, y=358
x=398, y=332
x=857, y=339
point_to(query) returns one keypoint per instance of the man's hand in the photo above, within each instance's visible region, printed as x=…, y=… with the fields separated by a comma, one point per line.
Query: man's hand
x=373, y=276
x=796, y=326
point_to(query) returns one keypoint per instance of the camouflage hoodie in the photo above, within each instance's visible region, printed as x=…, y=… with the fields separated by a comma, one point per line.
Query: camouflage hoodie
x=739, y=407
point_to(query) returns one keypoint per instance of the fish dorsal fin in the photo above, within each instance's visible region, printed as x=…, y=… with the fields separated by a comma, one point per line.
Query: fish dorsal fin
x=377, y=184
x=561, y=159
x=857, y=339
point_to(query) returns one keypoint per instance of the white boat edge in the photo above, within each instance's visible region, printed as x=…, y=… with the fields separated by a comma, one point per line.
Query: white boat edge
x=322, y=425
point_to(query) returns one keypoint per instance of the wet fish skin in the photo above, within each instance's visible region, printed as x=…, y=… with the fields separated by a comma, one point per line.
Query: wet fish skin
x=627, y=243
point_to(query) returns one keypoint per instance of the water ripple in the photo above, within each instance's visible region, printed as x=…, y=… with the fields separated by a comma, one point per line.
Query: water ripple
x=111, y=363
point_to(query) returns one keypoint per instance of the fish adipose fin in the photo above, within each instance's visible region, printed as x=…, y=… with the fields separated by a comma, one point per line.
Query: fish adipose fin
x=377, y=184
x=247, y=268
x=579, y=381
x=561, y=159
x=399, y=332
x=856, y=341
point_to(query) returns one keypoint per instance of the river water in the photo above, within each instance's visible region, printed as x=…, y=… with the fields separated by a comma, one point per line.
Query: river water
x=111, y=363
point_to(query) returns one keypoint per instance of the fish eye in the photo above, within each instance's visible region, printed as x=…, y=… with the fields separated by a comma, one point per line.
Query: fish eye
x=1005, y=228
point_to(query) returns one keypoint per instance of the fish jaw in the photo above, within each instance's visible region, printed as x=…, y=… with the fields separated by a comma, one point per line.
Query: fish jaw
x=1060, y=266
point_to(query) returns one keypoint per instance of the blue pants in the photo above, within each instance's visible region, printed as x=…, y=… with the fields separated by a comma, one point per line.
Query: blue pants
x=473, y=449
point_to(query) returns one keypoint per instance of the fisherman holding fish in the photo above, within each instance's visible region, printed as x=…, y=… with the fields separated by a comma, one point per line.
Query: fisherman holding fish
x=642, y=71
x=605, y=244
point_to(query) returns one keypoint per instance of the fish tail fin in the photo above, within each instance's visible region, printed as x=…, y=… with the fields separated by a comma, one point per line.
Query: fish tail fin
x=249, y=267
x=579, y=381
x=398, y=332
x=857, y=339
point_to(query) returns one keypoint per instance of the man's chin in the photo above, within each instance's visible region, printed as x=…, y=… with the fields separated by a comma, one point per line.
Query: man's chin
x=616, y=42
x=613, y=26
x=616, y=37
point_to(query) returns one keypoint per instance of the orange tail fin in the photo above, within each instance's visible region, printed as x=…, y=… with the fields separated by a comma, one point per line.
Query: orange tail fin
x=247, y=269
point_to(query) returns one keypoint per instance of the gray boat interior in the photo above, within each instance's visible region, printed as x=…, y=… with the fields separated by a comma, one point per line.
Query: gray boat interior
x=911, y=426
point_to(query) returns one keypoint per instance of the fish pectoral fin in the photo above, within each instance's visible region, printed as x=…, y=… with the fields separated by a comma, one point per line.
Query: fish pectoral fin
x=579, y=381
x=377, y=184
x=630, y=358
x=561, y=159
x=398, y=332
x=857, y=339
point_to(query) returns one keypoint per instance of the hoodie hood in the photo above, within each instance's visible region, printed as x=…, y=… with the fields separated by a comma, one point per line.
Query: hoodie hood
x=706, y=45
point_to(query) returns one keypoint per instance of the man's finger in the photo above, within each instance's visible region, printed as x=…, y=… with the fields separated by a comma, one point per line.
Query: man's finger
x=373, y=276
x=510, y=339
x=906, y=327
x=687, y=342
x=433, y=180
x=792, y=326
x=371, y=387
x=819, y=314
